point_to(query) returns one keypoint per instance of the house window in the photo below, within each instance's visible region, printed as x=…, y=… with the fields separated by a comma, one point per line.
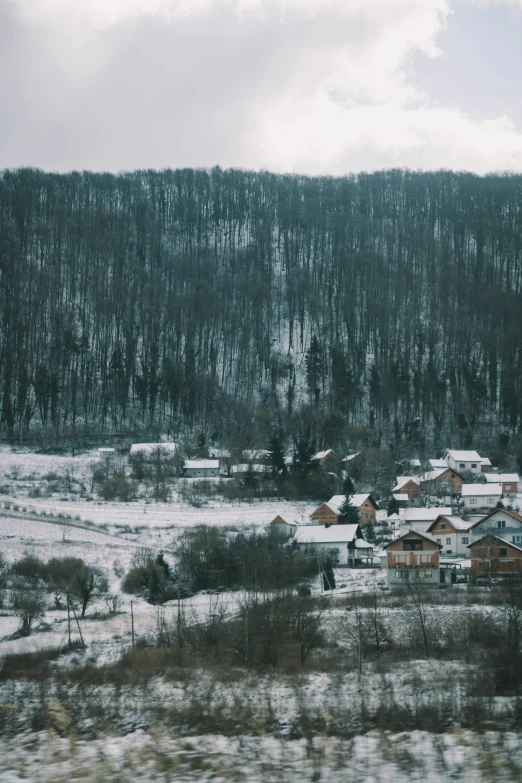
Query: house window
x=412, y=545
x=491, y=501
x=423, y=574
x=439, y=540
x=501, y=523
x=448, y=541
x=473, y=501
x=424, y=559
x=452, y=475
x=403, y=559
x=443, y=526
x=502, y=552
x=401, y=575
x=465, y=540
x=462, y=465
x=473, y=464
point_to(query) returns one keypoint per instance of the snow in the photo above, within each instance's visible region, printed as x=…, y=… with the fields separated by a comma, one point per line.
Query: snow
x=320, y=534
x=481, y=490
x=464, y=456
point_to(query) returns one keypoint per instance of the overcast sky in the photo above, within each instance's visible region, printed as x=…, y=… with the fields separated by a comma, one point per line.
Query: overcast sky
x=313, y=86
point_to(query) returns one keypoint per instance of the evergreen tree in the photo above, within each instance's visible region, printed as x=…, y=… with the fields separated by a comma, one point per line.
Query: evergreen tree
x=314, y=370
x=393, y=506
x=277, y=453
x=348, y=486
x=348, y=514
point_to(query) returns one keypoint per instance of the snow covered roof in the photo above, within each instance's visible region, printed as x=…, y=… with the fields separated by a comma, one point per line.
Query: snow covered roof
x=278, y=520
x=323, y=454
x=464, y=456
x=337, y=501
x=319, y=534
x=480, y=490
x=219, y=453
x=424, y=514
x=438, y=463
x=495, y=478
x=457, y=523
x=485, y=461
x=360, y=543
x=431, y=475
x=201, y=464
x=148, y=448
x=105, y=451
x=402, y=480
x=401, y=497
x=350, y=457
x=415, y=463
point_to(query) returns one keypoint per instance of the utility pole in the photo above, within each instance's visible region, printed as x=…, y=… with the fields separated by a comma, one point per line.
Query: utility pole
x=132, y=623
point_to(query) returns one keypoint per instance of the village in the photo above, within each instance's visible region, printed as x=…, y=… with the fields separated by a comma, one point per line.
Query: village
x=450, y=520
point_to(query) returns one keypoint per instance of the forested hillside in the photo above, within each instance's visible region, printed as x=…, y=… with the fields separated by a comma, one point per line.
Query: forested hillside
x=386, y=305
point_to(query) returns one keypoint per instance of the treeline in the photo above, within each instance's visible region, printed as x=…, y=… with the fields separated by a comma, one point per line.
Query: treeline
x=386, y=303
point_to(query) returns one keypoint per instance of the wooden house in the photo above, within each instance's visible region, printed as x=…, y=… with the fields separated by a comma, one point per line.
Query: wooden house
x=492, y=556
x=485, y=464
x=413, y=556
x=326, y=459
x=441, y=481
x=328, y=513
x=407, y=485
x=501, y=522
x=420, y=519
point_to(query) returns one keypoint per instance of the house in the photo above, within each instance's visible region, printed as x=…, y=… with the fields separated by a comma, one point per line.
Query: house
x=348, y=462
x=402, y=499
x=419, y=519
x=280, y=527
x=328, y=458
x=201, y=468
x=441, y=481
x=148, y=450
x=345, y=543
x=407, y=485
x=463, y=460
x=485, y=465
x=328, y=513
x=105, y=452
x=509, y=482
x=413, y=556
x=503, y=523
x=492, y=556
x=481, y=495
x=437, y=464
x=453, y=534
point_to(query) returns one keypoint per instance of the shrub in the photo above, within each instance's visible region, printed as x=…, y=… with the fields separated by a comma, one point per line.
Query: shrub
x=29, y=566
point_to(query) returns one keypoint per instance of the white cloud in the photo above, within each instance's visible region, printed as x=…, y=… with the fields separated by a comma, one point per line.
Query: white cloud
x=294, y=85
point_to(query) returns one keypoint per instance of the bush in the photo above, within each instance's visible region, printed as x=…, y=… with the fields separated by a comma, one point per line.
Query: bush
x=29, y=567
x=59, y=571
x=120, y=487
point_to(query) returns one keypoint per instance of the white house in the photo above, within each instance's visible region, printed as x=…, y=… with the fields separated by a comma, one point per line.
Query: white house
x=255, y=455
x=104, y=452
x=280, y=527
x=503, y=523
x=481, y=495
x=345, y=543
x=240, y=470
x=509, y=481
x=463, y=460
x=201, y=468
x=419, y=519
x=453, y=533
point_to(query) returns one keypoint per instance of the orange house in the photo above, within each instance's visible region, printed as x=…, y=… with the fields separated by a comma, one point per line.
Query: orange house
x=413, y=556
x=328, y=513
x=492, y=555
x=408, y=485
x=443, y=480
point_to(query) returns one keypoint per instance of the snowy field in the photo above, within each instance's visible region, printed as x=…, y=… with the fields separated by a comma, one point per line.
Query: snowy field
x=376, y=757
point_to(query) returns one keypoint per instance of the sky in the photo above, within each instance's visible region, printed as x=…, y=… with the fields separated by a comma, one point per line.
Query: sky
x=308, y=86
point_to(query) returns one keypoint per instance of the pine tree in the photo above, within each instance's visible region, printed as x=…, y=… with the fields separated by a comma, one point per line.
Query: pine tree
x=328, y=575
x=393, y=506
x=314, y=370
x=348, y=486
x=348, y=514
x=277, y=453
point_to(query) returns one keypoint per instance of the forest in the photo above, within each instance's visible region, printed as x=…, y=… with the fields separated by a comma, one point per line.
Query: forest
x=381, y=308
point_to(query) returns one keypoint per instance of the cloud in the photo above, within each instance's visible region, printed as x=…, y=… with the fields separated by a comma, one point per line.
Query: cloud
x=293, y=85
